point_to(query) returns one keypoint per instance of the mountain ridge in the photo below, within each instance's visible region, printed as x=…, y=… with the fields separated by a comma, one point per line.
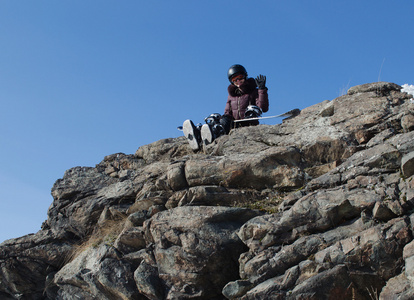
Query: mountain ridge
x=317, y=207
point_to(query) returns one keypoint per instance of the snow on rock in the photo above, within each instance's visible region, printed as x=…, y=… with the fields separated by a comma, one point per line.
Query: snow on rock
x=408, y=88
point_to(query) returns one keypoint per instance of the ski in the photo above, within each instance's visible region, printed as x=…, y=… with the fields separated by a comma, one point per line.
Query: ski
x=290, y=113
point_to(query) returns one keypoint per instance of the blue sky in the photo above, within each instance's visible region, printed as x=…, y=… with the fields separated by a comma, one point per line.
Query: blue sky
x=82, y=79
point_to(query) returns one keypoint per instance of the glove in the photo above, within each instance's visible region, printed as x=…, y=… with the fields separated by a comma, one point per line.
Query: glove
x=261, y=82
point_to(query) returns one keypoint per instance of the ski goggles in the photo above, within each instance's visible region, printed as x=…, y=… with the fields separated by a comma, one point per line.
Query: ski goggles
x=237, y=78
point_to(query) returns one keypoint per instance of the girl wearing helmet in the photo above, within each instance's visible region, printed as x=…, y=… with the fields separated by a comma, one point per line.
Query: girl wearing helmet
x=243, y=92
x=244, y=95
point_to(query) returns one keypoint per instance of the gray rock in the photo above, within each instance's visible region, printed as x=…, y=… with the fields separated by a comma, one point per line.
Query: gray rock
x=397, y=287
x=236, y=289
x=382, y=212
x=191, y=243
x=176, y=176
x=148, y=281
x=407, y=164
x=130, y=240
x=380, y=88
x=97, y=272
x=317, y=207
x=407, y=122
x=25, y=263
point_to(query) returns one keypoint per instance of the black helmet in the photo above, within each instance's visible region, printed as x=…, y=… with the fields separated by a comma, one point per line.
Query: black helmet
x=235, y=70
x=252, y=111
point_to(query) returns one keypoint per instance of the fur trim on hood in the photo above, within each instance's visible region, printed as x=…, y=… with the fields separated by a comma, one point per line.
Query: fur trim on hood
x=246, y=88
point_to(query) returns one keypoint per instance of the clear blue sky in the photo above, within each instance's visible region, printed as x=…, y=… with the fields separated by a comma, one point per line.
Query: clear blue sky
x=82, y=79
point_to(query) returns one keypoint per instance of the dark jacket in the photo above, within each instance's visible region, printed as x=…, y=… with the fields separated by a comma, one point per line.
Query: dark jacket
x=241, y=97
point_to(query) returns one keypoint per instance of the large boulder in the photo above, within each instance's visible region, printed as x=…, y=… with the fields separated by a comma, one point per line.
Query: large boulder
x=196, y=250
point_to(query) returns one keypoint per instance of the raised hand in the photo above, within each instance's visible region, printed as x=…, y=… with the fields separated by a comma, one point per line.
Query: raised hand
x=261, y=82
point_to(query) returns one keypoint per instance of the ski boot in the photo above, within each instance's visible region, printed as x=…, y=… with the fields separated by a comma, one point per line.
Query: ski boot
x=192, y=133
x=212, y=129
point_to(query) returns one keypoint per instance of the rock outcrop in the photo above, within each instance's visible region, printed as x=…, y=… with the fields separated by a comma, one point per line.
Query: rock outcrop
x=318, y=207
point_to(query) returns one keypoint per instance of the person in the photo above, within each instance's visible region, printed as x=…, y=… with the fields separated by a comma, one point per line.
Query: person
x=247, y=98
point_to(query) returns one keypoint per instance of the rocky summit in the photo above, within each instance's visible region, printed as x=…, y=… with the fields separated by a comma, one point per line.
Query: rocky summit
x=320, y=206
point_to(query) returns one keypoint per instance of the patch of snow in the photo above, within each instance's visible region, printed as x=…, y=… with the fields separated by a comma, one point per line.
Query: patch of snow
x=408, y=88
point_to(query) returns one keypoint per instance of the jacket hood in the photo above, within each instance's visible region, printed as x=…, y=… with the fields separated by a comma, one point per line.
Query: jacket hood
x=246, y=88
